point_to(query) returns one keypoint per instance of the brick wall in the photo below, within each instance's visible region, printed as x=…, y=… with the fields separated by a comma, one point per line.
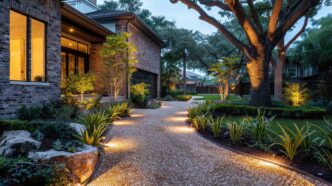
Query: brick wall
x=148, y=53
x=13, y=96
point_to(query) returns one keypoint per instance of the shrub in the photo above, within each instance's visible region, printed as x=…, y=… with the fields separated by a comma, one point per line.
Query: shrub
x=96, y=126
x=168, y=98
x=236, y=130
x=113, y=113
x=183, y=97
x=57, y=130
x=326, y=138
x=28, y=173
x=325, y=158
x=124, y=109
x=289, y=112
x=139, y=93
x=200, y=122
x=258, y=126
x=297, y=94
x=18, y=125
x=291, y=141
x=175, y=92
x=310, y=140
x=215, y=125
x=200, y=109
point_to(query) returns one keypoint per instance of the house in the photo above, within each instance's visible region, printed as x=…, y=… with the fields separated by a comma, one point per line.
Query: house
x=193, y=81
x=43, y=41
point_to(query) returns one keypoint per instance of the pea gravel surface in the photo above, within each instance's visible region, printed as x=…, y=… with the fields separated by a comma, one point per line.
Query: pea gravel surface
x=155, y=147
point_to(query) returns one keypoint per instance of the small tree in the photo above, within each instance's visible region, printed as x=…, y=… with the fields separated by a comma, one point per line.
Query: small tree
x=119, y=57
x=227, y=72
x=84, y=83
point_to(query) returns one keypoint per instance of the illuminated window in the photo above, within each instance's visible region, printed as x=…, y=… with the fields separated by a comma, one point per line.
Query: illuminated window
x=21, y=37
x=37, y=51
x=18, y=42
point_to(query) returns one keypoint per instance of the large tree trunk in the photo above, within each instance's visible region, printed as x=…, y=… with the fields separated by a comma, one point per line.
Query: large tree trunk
x=278, y=76
x=258, y=70
x=226, y=91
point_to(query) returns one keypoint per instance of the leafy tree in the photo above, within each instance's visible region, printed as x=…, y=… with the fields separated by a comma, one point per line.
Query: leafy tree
x=119, y=57
x=261, y=40
x=84, y=83
x=227, y=72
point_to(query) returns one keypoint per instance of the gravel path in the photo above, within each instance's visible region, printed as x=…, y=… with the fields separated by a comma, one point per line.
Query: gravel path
x=154, y=147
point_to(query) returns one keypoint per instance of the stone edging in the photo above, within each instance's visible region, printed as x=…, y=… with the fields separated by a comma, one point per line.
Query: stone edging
x=263, y=159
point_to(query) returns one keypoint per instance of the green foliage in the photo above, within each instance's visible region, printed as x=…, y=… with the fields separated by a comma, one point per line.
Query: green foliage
x=236, y=130
x=287, y=112
x=80, y=83
x=183, y=98
x=215, y=125
x=258, y=126
x=325, y=158
x=200, y=109
x=58, y=130
x=175, y=92
x=200, y=122
x=326, y=138
x=290, y=140
x=119, y=57
x=17, y=125
x=296, y=94
x=308, y=143
x=329, y=107
x=168, y=98
x=96, y=125
x=68, y=146
x=27, y=173
x=53, y=110
x=139, y=93
x=113, y=112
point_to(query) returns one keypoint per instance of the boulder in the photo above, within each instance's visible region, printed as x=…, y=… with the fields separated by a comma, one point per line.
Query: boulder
x=79, y=128
x=19, y=142
x=81, y=164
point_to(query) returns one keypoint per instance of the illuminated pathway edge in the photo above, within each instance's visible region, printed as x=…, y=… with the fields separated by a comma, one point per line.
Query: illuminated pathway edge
x=155, y=147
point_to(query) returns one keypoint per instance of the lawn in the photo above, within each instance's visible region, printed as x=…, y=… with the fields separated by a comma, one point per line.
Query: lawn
x=212, y=97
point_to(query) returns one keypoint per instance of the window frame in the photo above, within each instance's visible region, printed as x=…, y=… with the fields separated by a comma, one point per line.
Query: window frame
x=28, y=49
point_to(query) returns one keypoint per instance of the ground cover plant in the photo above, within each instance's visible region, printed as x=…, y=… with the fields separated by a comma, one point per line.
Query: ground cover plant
x=301, y=143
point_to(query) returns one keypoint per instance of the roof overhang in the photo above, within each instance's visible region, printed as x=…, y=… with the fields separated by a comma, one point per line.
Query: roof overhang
x=133, y=19
x=84, y=26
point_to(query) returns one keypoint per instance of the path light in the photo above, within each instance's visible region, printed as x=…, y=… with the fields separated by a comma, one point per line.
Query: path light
x=71, y=30
x=123, y=123
x=181, y=129
x=182, y=113
x=137, y=115
x=267, y=164
x=176, y=119
x=120, y=144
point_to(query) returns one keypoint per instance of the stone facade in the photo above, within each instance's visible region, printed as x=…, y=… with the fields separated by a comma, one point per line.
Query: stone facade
x=14, y=95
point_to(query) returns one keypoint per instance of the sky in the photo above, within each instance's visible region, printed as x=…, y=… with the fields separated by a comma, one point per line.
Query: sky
x=186, y=18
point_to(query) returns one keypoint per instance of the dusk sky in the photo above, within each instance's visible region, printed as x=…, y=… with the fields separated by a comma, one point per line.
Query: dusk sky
x=186, y=18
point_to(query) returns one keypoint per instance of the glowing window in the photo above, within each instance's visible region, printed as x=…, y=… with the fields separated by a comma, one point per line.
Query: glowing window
x=37, y=51
x=18, y=42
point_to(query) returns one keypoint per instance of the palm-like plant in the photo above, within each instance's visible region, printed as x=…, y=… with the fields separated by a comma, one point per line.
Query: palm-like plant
x=258, y=126
x=290, y=141
x=236, y=130
x=96, y=125
x=113, y=112
x=215, y=125
x=200, y=109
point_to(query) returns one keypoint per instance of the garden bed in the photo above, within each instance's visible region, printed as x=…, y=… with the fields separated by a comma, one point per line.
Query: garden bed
x=302, y=163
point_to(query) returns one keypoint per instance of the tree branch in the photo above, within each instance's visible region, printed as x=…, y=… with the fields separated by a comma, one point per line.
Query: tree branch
x=216, y=3
x=274, y=19
x=205, y=17
x=255, y=16
x=298, y=34
x=292, y=16
x=247, y=26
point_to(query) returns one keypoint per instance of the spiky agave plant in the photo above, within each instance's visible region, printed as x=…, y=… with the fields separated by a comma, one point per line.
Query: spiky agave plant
x=236, y=130
x=215, y=125
x=200, y=109
x=113, y=112
x=290, y=141
x=96, y=125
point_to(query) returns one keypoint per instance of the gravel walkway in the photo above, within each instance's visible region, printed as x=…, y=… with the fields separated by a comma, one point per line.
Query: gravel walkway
x=154, y=147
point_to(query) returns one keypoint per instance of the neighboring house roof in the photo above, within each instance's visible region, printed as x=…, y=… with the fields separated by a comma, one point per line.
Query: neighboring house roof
x=81, y=21
x=111, y=15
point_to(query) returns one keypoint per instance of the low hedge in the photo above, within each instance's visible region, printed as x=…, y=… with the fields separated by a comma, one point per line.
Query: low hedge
x=290, y=112
x=183, y=98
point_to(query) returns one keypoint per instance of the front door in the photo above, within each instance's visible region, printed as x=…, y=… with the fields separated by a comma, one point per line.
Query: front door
x=73, y=63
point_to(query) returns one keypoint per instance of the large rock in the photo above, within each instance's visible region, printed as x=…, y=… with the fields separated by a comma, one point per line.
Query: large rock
x=18, y=142
x=81, y=164
x=79, y=128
